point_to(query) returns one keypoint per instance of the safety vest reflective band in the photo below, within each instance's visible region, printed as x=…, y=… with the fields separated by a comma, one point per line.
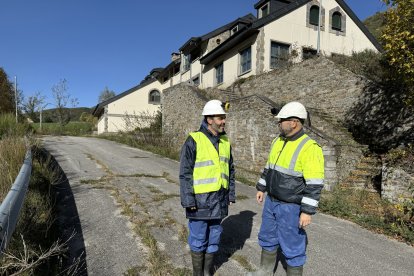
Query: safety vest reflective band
x=284, y=158
x=211, y=169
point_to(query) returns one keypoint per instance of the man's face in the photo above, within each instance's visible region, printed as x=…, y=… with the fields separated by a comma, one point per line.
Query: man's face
x=286, y=126
x=217, y=123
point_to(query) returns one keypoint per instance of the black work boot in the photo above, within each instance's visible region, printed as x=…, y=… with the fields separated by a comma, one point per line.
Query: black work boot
x=294, y=270
x=208, y=264
x=198, y=259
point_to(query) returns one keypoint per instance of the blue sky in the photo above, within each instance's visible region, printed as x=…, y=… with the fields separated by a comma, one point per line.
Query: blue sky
x=95, y=44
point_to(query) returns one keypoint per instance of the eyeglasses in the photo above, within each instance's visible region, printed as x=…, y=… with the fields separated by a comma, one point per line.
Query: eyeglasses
x=287, y=120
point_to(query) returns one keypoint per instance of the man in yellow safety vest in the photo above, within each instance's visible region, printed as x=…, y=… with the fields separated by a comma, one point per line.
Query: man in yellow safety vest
x=207, y=185
x=293, y=179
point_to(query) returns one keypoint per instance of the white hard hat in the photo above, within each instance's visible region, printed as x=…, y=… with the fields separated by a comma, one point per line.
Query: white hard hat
x=292, y=109
x=213, y=107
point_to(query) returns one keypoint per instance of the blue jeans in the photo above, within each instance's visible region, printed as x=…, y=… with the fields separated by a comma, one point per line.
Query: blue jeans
x=280, y=227
x=204, y=235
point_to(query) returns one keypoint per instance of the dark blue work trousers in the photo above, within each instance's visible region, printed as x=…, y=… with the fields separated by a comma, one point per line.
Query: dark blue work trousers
x=204, y=235
x=280, y=227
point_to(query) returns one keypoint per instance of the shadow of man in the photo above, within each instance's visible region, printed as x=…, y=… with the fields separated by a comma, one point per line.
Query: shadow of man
x=236, y=230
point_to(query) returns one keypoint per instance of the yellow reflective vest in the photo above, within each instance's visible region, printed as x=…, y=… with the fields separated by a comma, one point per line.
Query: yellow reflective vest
x=295, y=172
x=211, y=168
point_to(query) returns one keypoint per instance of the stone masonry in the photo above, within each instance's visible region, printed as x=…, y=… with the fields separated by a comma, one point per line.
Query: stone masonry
x=328, y=91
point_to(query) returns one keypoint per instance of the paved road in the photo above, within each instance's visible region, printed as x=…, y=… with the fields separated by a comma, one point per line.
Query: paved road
x=131, y=220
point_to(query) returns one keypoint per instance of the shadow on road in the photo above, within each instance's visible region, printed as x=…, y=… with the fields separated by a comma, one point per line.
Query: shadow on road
x=236, y=230
x=68, y=218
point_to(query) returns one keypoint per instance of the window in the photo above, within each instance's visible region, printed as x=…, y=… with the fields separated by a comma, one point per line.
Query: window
x=154, y=97
x=337, y=21
x=219, y=73
x=279, y=54
x=196, y=81
x=314, y=15
x=308, y=53
x=245, y=60
x=234, y=30
x=186, y=62
x=264, y=10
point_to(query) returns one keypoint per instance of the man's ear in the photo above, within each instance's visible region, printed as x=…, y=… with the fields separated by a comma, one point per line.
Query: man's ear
x=209, y=120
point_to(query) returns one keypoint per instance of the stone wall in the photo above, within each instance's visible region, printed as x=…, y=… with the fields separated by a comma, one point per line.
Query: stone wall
x=328, y=91
x=396, y=182
x=181, y=112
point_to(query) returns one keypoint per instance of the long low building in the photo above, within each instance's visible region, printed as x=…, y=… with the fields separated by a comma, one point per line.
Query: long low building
x=282, y=32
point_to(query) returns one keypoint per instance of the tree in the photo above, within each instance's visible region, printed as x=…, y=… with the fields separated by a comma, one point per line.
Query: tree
x=62, y=98
x=398, y=37
x=7, y=101
x=106, y=94
x=32, y=105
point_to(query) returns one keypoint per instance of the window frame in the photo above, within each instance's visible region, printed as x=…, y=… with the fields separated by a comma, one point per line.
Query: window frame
x=278, y=57
x=242, y=62
x=339, y=21
x=150, y=97
x=219, y=73
x=311, y=22
x=186, y=63
x=264, y=10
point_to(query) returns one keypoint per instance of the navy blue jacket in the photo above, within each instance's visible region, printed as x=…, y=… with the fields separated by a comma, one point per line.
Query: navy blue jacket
x=213, y=205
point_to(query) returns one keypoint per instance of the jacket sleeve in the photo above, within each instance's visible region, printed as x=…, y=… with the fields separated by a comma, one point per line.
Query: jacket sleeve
x=313, y=172
x=187, y=161
x=261, y=184
x=232, y=182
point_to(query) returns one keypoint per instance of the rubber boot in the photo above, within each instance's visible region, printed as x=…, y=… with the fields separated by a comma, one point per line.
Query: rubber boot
x=197, y=258
x=294, y=270
x=208, y=264
x=267, y=263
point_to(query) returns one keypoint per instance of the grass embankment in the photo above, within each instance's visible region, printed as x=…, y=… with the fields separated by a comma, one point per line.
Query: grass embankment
x=72, y=128
x=33, y=248
x=370, y=210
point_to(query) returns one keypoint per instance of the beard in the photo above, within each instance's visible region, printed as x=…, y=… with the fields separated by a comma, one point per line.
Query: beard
x=284, y=132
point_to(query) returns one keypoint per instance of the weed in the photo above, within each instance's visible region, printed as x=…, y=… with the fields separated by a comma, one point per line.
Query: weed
x=243, y=262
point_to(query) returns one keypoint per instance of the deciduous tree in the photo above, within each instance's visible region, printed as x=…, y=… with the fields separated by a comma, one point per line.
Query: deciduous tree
x=106, y=94
x=398, y=37
x=62, y=99
x=7, y=102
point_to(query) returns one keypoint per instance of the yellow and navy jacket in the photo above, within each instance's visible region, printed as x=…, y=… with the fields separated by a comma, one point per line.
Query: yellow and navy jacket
x=294, y=172
x=207, y=179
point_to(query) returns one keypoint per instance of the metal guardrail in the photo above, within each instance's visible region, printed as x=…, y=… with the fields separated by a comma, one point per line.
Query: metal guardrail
x=11, y=205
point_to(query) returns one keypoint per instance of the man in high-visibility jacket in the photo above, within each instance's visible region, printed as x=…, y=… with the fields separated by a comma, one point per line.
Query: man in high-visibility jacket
x=207, y=185
x=293, y=179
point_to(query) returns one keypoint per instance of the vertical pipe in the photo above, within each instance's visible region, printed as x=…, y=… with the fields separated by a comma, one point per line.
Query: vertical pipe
x=319, y=28
x=15, y=94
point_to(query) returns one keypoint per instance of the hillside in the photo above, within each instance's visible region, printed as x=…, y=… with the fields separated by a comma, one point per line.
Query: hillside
x=75, y=113
x=375, y=24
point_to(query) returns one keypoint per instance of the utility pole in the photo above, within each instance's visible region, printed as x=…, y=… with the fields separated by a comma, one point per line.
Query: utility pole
x=41, y=111
x=15, y=94
x=318, y=49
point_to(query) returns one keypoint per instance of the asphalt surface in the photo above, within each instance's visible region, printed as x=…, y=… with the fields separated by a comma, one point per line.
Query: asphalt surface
x=119, y=191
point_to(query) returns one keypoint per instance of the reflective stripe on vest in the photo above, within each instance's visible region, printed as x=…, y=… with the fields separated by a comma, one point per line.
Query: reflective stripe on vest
x=284, y=159
x=211, y=170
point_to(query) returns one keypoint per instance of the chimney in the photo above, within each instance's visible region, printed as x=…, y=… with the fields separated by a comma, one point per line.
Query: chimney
x=175, y=56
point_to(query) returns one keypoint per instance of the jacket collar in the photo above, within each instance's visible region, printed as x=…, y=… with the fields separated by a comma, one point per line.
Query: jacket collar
x=295, y=136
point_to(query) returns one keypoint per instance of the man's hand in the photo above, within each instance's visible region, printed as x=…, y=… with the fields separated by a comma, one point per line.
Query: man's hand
x=259, y=197
x=304, y=220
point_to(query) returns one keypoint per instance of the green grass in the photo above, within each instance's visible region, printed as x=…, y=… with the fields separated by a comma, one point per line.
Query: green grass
x=370, y=211
x=36, y=230
x=72, y=128
x=156, y=145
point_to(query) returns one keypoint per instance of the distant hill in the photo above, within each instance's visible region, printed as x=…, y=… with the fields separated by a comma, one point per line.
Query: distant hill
x=75, y=113
x=375, y=24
